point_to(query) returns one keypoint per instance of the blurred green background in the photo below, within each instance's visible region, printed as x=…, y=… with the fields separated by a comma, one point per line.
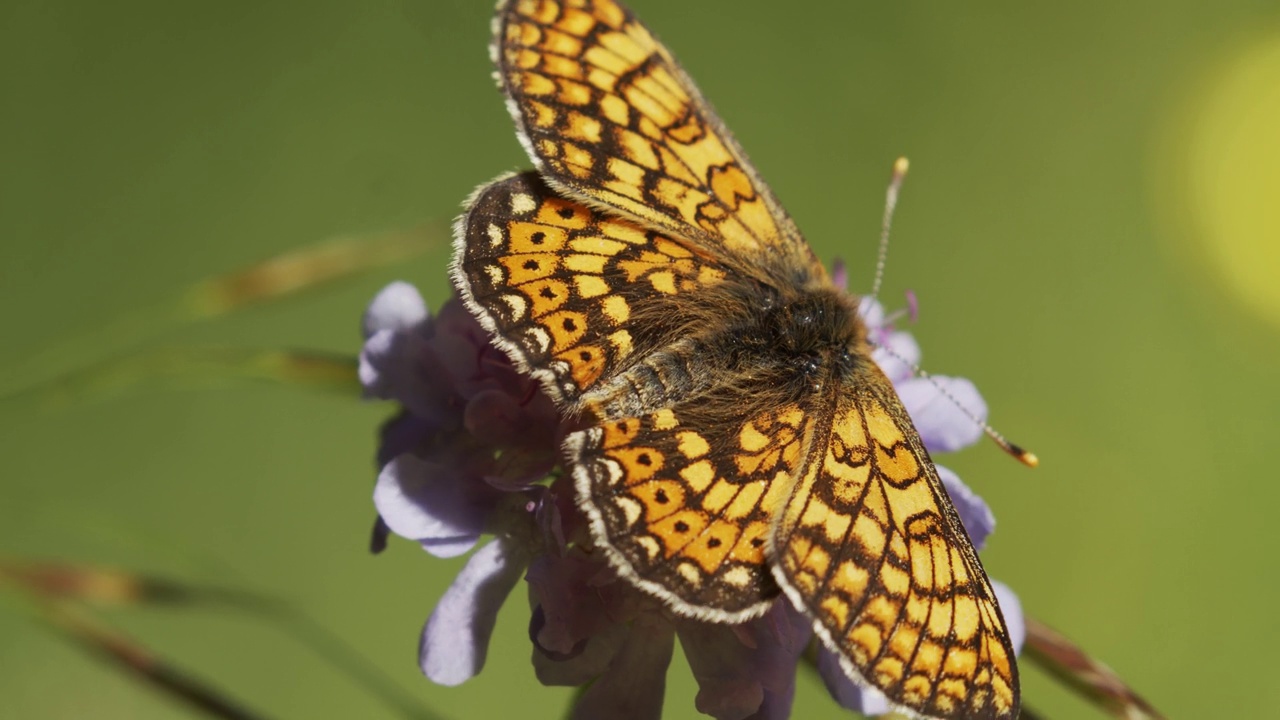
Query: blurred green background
x=1091, y=226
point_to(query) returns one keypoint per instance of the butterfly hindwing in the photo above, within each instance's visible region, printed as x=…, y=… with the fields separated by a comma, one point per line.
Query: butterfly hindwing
x=683, y=506
x=573, y=294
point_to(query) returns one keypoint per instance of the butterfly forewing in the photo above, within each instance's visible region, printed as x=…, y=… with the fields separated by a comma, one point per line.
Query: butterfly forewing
x=737, y=438
x=610, y=117
x=869, y=546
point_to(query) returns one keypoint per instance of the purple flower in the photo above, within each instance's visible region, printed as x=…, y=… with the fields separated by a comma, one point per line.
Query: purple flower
x=473, y=453
x=460, y=461
x=588, y=625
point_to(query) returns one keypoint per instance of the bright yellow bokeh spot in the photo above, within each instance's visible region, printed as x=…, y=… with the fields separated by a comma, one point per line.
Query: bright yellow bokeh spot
x=1231, y=174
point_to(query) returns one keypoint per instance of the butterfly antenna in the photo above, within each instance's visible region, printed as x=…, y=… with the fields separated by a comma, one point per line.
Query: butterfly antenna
x=1026, y=457
x=900, y=167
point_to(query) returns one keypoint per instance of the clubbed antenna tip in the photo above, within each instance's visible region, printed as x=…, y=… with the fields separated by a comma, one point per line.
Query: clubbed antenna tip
x=1024, y=456
x=900, y=167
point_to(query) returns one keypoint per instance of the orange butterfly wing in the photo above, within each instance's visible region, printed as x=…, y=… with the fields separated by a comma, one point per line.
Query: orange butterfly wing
x=682, y=507
x=624, y=279
x=869, y=545
x=610, y=118
x=574, y=295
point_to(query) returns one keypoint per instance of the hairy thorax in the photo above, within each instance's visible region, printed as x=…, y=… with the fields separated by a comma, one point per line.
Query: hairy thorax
x=795, y=345
x=767, y=345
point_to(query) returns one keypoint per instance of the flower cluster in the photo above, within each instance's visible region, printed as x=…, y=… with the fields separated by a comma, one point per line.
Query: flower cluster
x=474, y=452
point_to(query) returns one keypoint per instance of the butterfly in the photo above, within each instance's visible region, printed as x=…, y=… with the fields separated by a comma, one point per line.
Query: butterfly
x=736, y=441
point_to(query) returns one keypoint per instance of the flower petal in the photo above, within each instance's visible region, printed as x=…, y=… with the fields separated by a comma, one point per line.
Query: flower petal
x=845, y=691
x=776, y=704
x=575, y=605
x=840, y=274
x=974, y=512
x=501, y=419
x=579, y=622
x=635, y=683
x=943, y=422
x=897, y=353
x=397, y=306
x=466, y=356
x=872, y=312
x=401, y=366
x=403, y=433
x=376, y=359
x=378, y=538
x=550, y=523
x=1011, y=609
x=455, y=639
x=748, y=669
x=586, y=661
x=424, y=501
x=494, y=417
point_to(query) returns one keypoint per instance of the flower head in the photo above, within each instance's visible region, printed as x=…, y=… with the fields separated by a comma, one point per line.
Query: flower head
x=474, y=452
x=461, y=460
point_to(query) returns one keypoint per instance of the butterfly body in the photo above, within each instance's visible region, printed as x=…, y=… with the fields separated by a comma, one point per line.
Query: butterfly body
x=737, y=441
x=769, y=348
